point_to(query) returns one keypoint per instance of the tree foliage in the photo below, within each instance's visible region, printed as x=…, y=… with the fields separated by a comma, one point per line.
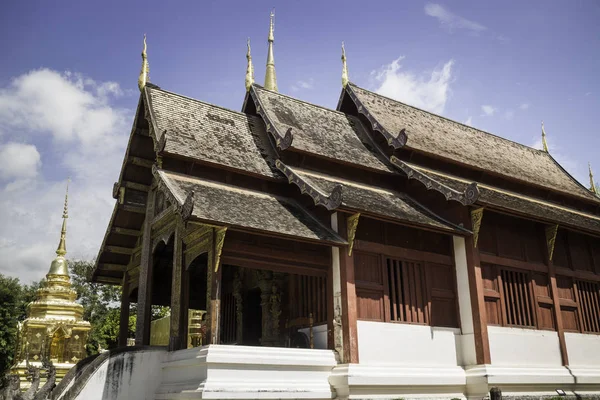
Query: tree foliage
x=10, y=304
x=14, y=299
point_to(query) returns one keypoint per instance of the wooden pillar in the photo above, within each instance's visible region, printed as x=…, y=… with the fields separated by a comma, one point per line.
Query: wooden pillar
x=213, y=285
x=330, y=303
x=177, y=316
x=482, y=342
x=347, y=294
x=144, y=304
x=124, y=317
x=549, y=246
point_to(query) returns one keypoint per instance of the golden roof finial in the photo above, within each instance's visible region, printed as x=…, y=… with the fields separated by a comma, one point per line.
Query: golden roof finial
x=249, y=69
x=270, y=76
x=592, y=184
x=544, y=143
x=62, y=247
x=344, y=67
x=143, y=79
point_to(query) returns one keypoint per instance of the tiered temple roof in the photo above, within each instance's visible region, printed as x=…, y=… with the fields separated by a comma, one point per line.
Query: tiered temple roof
x=280, y=164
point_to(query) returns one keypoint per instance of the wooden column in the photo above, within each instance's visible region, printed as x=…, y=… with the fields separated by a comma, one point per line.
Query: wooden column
x=124, y=317
x=177, y=316
x=348, y=296
x=549, y=246
x=482, y=342
x=144, y=304
x=214, y=272
x=330, y=304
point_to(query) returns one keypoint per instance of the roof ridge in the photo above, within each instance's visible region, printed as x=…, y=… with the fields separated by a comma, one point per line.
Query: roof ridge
x=448, y=119
x=204, y=102
x=511, y=193
x=302, y=101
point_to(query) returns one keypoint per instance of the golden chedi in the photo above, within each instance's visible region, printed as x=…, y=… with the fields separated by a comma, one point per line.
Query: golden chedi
x=54, y=328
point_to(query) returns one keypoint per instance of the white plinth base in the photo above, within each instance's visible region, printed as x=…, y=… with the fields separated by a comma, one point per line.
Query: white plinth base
x=532, y=381
x=392, y=382
x=355, y=381
x=241, y=372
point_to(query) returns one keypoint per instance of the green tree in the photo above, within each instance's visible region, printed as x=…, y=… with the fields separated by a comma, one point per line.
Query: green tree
x=11, y=305
x=102, y=307
x=98, y=302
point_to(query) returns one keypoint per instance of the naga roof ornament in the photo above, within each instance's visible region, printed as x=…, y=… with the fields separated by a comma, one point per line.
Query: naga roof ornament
x=544, y=143
x=593, y=188
x=270, y=76
x=145, y=71
x=249, y=69
x=344, y=68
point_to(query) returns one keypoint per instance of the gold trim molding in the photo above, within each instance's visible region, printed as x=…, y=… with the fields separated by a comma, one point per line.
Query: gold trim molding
x=351, y=225
x=551, y=231
x=219, y=241
x=476, y=218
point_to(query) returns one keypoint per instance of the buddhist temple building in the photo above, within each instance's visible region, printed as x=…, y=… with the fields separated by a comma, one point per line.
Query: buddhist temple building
x=54, y=329
x=375, y=250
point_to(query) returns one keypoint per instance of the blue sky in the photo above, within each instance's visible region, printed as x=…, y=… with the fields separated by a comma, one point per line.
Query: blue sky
x=69, y=73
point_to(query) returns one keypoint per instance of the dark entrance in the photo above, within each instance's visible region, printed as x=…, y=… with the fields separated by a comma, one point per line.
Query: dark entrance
x=252, y=318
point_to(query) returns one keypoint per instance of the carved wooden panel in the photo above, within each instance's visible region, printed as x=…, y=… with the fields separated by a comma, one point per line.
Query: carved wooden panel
x=580, y=252
x=369, y=304
x=402, y=236
x=561, y=251
x=568, y=306
x=369, y=286
x=544, y=303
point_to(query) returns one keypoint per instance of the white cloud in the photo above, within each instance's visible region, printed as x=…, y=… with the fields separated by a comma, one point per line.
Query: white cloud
x=71, y=123
x=469, y=121
x=509, y=114
x=309, y=84
x=429, y=92
x=450, y=20
x=488, y=110
x=19, y=161
x=524, y=106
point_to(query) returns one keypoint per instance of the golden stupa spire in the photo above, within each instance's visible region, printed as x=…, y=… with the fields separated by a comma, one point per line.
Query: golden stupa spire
x=62, y=246
x=592, y=184
x=143, y=79
x=270, y=76
x=544, y=143
x=344, y=67
x=249, y=69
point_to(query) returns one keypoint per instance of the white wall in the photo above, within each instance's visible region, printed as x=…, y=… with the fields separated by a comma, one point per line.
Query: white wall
x=130, y=375
x=523, y=347
x=417, y=345
x=583, y=350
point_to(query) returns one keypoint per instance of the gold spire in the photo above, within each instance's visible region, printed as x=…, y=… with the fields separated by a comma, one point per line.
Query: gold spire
x=544, y=143
x=249, y=69
x=592, y=184
x=270, y=77
x=143, y=79
x=344, y=67
x=59, y=264
x=62, y=247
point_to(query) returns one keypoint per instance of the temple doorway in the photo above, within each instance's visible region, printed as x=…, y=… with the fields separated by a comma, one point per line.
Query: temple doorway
x=272, y=308
x=252, y=318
